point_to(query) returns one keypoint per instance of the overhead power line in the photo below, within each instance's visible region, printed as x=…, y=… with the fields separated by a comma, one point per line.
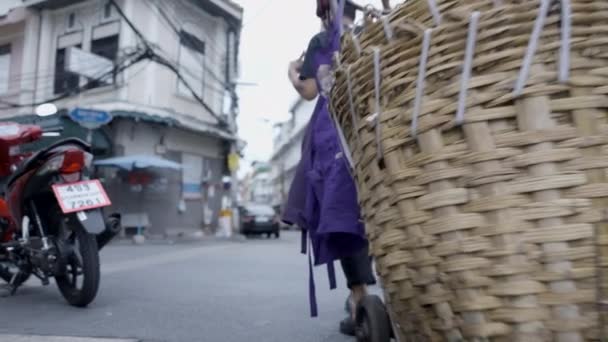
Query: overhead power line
x=127, y=61
x=176, y=30
x=50, y=72
x=47, y=86
x=46, y=81
x=119, y=67
x=163, y=61
x=194, y=75
x=173, y=20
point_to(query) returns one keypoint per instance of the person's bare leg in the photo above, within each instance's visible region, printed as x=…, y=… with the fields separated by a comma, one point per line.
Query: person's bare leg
x=357, y=293
x=359, y=274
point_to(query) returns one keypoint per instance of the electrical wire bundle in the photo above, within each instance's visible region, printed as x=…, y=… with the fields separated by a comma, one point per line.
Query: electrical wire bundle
x=145, y=50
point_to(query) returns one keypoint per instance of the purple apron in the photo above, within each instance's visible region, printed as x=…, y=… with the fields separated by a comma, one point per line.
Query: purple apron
x=322, y=199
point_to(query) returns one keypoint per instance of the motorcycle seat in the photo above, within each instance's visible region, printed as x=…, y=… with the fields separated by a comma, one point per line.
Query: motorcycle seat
x=35, y=159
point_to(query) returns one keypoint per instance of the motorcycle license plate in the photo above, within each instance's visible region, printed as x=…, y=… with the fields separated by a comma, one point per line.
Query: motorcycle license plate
x=79, y=196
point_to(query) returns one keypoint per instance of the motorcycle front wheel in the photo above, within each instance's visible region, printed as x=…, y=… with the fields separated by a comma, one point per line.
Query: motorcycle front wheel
x=79, y=282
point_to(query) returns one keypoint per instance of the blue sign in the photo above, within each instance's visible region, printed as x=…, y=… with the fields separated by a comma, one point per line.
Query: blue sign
x=90, y=118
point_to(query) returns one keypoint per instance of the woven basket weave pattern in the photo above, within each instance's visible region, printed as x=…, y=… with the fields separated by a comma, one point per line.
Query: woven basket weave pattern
x=495, y=228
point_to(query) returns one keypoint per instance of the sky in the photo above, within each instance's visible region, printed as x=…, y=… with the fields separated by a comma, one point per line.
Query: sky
x=275, y=32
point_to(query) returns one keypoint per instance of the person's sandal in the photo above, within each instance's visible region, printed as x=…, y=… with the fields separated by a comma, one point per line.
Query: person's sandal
x=348, y=326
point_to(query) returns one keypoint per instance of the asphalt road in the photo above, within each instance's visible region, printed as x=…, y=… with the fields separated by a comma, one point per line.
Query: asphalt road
x=221, y=291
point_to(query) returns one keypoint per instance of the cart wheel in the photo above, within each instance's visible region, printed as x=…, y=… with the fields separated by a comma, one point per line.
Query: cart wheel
x=373, y=323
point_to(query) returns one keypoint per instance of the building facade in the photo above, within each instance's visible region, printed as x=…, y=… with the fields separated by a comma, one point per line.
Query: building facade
x=287, y=149
x=170, y=88
x=260, y=189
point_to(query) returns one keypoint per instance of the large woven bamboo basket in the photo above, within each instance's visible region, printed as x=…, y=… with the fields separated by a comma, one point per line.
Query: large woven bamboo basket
x=478, y=132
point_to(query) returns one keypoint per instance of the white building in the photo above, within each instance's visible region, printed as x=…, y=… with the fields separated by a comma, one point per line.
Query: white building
x=288, y=149
x=260, y=188
x=154, y=112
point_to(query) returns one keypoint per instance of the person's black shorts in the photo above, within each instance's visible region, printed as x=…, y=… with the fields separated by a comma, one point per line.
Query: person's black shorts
x=358, y=269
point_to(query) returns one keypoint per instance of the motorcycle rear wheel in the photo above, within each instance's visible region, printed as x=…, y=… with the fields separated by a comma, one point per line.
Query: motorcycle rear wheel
x=80, y=281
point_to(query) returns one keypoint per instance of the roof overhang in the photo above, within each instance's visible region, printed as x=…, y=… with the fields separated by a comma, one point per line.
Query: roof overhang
x=50, y=4
x=13, y=16
x=169, y=117
x=7, y=6
x=227, y=9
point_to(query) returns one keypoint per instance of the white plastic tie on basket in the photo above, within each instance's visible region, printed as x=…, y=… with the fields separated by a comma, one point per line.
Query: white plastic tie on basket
x=532, y=45
x=435, y=12
x=468, y=65
x=564, y=52
x=388, y=31
x=337, y=59
x=368, y=11
x=345, y=149
x=351, y=104
x=377, y=76
x=356, y=43
x=420, y=82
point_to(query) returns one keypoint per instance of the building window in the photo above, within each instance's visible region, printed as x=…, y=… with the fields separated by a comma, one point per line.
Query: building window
x=71, y=20
x=233, y=56
x=191, y=63
x=107, y=10
x=65, y=81
x=5, y=68
x=105, y=47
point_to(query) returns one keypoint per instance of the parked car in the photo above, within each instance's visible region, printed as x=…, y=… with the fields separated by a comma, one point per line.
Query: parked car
x=257, y=219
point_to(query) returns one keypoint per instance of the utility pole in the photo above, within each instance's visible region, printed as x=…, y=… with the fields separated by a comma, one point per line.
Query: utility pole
x=282, y=180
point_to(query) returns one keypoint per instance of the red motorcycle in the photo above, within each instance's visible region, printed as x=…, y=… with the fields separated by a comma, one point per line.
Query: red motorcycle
x=51, y=214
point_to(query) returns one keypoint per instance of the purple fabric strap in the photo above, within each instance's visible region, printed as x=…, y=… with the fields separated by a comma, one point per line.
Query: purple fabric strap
x=336, y=33
x=312, y=291
x=331, y=274
x=303, y=241
x=314, y=311
x=312, y=297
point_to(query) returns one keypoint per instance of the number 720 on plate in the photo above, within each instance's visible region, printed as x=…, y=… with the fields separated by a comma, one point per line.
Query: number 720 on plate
x=79, y=196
